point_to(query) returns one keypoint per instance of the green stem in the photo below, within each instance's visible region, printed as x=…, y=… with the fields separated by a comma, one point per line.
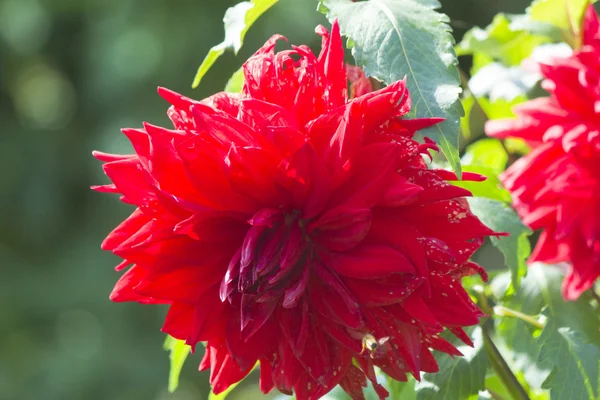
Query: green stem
x=502, y=369
x=507, y=312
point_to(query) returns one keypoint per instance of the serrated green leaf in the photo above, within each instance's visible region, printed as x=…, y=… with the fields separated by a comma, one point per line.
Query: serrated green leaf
x=458, y=377
x=575, y=363
x=518, y=339
x=500, y=42
x=236, y=82
x=392, y=39
x=178, y=353
x=501, y=218
x=546, y=283
x=237, y=20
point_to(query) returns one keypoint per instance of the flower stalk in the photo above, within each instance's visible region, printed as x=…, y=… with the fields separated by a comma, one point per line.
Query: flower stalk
x=501, y=368
x=507, y=312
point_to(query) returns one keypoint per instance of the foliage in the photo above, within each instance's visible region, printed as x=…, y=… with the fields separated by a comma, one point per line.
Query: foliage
x=515, y=247
x=563, y=16
x=178, y=352
x=70, y=65
x=535, y=345
x=575, y=363
x=486, y=157
x=236, y=82
x=500, y=41
x=459, y=377
x=536, y=317
x=393, y=39
x=237, y=20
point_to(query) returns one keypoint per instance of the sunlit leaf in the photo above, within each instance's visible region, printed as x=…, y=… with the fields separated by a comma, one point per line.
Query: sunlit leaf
x=392, y=39
x=178, y=353
x=223, y=395
x=500, y=108
x=565, y=15
x=237, y=20
x=491, y=188
x=458, y=377
x=516, y=146
x=575, y=362
x=468, y=102
x=518, y=339
x=542, y=287
x=402, y=390
x=502, y=218
x=500, y=42
x=236, y=82
x=486, y=153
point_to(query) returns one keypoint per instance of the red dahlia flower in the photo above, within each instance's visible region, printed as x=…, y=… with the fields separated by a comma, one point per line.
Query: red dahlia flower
x=556, y=187
x=290, y=226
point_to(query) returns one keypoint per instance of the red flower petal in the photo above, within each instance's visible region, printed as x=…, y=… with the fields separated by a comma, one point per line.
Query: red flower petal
x=285, y=224
x=370, y=261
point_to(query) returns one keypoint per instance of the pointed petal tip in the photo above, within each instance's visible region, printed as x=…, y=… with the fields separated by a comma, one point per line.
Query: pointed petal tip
x=107, y=157
x=166, y=94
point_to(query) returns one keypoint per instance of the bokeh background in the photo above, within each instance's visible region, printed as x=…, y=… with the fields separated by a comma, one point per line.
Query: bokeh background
x=72, y=73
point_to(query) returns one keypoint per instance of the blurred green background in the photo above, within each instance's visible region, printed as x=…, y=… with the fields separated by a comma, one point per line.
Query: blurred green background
x=72, y=73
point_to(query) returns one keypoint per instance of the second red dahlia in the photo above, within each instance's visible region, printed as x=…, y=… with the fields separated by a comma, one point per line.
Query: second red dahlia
x=291, y=226
x=556, y=188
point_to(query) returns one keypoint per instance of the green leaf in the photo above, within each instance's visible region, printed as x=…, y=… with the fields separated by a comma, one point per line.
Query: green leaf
x=575, y=363
x=563, y=14
x=223, y=395
x=402, y=390
x=491, y=188
x=212, y=56
x=236, y=82
x=501, y=218
x=544, y=289
x=480, y=60
x=392, y=39
x=486, y=153
x=540, y=288
x=178, y=353
x=458, y=377
x=486, y=157
x=500, y=108
x=468, y=102
x=516, y=146
x=500, y=42
x=237, y=20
